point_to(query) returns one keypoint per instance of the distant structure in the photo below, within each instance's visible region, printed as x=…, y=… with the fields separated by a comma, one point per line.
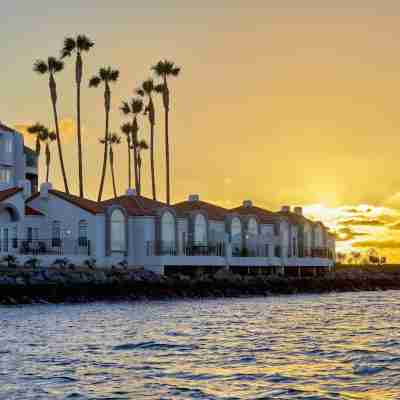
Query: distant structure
x=17, y=162
x=135, y=231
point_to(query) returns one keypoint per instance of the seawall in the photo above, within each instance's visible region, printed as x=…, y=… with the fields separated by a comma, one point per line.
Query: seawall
x=58, y=285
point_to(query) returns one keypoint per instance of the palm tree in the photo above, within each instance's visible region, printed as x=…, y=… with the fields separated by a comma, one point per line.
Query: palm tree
x=51, y=67
x=140, y=145
x=133, y=108
x=112, y=139
x=126, y=129
x=107, y=76
x=147, y=89
x=78, y=45
x=46, y=136
x=165, y=69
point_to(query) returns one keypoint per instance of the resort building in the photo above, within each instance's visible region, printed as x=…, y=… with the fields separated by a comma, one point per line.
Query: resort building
x=135, y=231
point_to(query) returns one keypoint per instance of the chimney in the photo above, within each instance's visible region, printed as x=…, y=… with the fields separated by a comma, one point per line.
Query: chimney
x=247, y=204
x=44, y=190
x=285, y=209
x=194, y=197
x=26, y=186
x=131, y=192
x=298, y=210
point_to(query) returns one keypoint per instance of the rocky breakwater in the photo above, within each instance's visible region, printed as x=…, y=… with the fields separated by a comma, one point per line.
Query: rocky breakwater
x=59, y=285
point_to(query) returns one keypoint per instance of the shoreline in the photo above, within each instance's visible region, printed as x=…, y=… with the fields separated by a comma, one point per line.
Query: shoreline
x=82, y=285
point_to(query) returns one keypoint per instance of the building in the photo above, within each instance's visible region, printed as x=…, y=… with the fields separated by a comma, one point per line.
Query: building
x=136, y=231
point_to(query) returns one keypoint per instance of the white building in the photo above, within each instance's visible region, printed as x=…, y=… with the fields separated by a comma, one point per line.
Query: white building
x=137, y=231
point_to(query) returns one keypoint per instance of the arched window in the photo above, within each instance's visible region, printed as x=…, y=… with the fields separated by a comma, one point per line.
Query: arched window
x=167, y=232
x=236, y=234
x=83, y=233
x=294, y=251
x=200, y=229
x=252, y=227
x=56, y=234
x=118, y=239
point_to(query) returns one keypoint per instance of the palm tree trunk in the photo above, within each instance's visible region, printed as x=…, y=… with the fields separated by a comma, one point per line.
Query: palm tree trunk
x=129, y=166
x=135, y=159
x=167, y=157
x=112, y=171
x=60, y=147
x=139, y=168
x=103, y=172
x=47, y=162
x=79, y=134
x=153, y=176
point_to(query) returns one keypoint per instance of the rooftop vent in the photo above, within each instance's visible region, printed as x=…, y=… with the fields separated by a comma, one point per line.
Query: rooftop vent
x=194, y=197
x=298, y=210
x=247, y=204
x=131, y=192
x=285, y=209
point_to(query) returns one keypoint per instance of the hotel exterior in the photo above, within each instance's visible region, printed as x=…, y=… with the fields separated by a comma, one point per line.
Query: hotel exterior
x=49, y=225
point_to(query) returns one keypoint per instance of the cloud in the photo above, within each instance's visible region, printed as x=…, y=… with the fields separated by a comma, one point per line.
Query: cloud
x=346, y=233
x=362, y=221
x=395, y=226
x=378, y=244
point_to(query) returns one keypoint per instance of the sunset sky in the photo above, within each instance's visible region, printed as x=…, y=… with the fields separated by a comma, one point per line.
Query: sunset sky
x=277, y=103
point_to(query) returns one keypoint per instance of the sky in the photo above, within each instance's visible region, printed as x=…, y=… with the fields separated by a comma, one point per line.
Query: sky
x=276, y=102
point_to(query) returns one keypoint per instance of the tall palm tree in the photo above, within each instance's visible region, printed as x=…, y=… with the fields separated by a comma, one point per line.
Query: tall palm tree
x=133, y=108
x=51, y=67
x=165, y=69
x=78, y=45
x=43, y=135
x=126, y=129
x=112, y=139
x=148, y=88
x=140, y=145
x=107, y=76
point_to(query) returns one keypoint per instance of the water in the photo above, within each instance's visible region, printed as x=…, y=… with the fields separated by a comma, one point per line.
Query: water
x=338, y=346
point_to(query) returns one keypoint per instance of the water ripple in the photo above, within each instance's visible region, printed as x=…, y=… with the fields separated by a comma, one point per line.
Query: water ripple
x=336, y=346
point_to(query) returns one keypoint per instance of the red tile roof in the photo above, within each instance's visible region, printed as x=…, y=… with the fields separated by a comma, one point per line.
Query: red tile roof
x=90, y=206
x=5, y=128
x=213, y=211
x=135, y=205
x=32, y=211
x=263, y=215
x=296, y=218
x=5, y=194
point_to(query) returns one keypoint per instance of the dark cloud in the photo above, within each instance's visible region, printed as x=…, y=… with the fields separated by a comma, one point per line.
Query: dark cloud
x=363, y=222
x=395, y=226
x=349, y=234
x=378, y=244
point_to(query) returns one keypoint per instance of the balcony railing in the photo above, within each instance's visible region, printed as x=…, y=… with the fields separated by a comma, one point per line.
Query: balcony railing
x=55, y=246
x=162, y=248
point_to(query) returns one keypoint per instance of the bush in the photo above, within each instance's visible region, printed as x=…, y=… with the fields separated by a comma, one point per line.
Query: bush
x=10, y=260
x=32, y=262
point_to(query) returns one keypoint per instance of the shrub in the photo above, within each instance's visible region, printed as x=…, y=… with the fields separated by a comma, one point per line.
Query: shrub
x=32, y=262
x=60, y=262
x=10, y=260
x=90, y=263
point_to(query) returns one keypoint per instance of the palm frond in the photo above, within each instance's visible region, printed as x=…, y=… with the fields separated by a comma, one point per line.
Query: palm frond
x=68, y=47
x=175, y=71
x=136, y=105
x=52, y=136
x=55, y=65
x=104, y=73
x=125, y=108
x=166, y=68
x=143, y=145
x=126, y=129
x=114, y=75
x=159, y=88
x=84, y=43
x=139, y=92
x=94, y=81
x=40, y=67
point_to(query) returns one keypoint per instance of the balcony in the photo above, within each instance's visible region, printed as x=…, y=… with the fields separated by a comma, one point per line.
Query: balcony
x=38, y=247
x=162, y=248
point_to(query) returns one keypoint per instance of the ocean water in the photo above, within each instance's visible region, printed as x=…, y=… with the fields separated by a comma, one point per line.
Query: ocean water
x=335, y=346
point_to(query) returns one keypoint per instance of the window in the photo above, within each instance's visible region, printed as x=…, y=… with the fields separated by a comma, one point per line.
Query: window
x=5, y=239
x=252, y=227
x=236, y=234
x=294, y=249
x=8, y=144
x=83, y=233
x=277, y=251
x=277, y=229
x=266, y=250
x=167, y=233
x=56, y=234
x=5, y=175
x=15, y=237
x=29, y=234
x=200, y=229
x=118, y=231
